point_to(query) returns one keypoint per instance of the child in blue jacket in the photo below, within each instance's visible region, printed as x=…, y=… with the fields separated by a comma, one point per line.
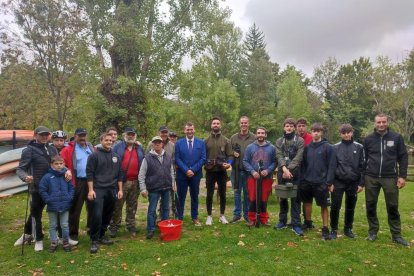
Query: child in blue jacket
x=58, y=194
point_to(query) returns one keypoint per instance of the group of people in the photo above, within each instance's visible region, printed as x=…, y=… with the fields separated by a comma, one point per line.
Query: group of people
x=65, y=176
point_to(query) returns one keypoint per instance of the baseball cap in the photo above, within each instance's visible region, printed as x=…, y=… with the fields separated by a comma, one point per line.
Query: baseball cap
x=156, y=138
x=41, y=129
x=80, y=131
x=130, y=130
x=172, y=134
x=163, y=129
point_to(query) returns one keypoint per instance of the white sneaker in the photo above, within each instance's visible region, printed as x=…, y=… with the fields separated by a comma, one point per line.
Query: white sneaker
x=209, y=220
x=223, y=219
x=73, y=242
x=39, y=246
x=24, y=238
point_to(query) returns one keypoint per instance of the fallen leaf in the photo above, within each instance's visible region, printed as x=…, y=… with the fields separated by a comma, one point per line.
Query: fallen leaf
x=86, y=262
x=374, y=265
x=156, y=273
x=241, y=243
x=350, y=269
x=47, y=262
x=242, y=236
x=158, y=259
x=298, y=267
x=58, y=265
x=230, y=263
x=261, y=244
x=291, y=244
x=367, y=262
x=124, y=266
x=164, y=264
x=20, y=265
x=72, y=261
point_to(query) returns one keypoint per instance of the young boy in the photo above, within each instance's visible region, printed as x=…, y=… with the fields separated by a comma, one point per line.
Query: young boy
x=58, y=194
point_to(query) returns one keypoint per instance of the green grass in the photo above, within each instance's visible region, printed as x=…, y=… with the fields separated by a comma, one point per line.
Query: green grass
x=215, y=250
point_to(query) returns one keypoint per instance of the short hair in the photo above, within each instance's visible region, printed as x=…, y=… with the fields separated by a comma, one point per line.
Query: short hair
x=244, y=117
x=57, y=158
x=302, y=121
x=111, y=128
x=190, y=124
x=103, y=135
x=289, y=121
x=317, y=127
x=345, y=128
x=260, y=127
x=382, y=115
x=215, y=118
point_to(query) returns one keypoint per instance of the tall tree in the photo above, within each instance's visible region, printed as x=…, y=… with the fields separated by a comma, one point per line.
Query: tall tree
x=255, y=39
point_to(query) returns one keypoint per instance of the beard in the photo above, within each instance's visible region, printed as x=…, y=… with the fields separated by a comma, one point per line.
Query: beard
x=130, y=140
x=216, y=129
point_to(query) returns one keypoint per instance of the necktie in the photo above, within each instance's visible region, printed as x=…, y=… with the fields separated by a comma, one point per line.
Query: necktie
x=190, y=146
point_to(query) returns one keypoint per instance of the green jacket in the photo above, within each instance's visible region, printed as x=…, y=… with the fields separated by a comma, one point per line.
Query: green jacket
x=218, y=150
x=292, y=148
x=236, y=140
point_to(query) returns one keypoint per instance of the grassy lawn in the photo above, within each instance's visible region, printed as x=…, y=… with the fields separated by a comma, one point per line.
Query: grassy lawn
x=217, y=250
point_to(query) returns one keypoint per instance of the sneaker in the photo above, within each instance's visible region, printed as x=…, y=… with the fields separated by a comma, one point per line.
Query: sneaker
x=297, y=230
x=280, y=225
x=209, y=220
x=25, y=238
x=38, y=246
x=371, y=237
x=307, y=225
x=131, y=229
x=246, y=219
x=223, y=219
x=334, y=235
x=196, y=222
x=348, y=232
x=66, y=246
x=150, y=234
x=53, y=246
x=325, y=233
x=105, y=241
x=235, y=219
x=400, y=241
x=94, y=247
x=73, y=242
x=112, y=232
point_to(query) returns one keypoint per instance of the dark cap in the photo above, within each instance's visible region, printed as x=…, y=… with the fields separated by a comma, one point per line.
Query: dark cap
x=163, y=129
x=172, y=134
x=80, y=130
x=130, y=130
x=41, y=129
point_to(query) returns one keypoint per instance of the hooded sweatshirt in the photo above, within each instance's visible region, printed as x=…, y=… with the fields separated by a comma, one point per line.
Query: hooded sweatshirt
x=318, y=163
x=104, y=169
x=255, y=152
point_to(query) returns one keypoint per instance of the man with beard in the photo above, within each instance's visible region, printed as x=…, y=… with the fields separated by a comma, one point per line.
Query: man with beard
x=317, y=176
x=76, y=156
x=218, y=152
x=33, y=165
x=104, y=176
x=289, y=152
x=301, y=128
x=131, y=155
x=190, y=156
x=261, y=151
x=239, y=142
x=384, y=149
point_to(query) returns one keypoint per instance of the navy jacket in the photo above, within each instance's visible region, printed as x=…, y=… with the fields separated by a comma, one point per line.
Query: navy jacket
x=120, y=150
x=190, y=161
x=56, y=192
x=349, y=162
x=317, y=164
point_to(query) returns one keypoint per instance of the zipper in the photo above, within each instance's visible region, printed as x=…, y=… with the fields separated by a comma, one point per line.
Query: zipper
x=380, y=169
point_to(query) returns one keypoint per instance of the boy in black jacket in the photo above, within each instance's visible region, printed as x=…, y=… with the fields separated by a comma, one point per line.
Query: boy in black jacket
x=104, y=175
x=349, y=179
x=317, y=177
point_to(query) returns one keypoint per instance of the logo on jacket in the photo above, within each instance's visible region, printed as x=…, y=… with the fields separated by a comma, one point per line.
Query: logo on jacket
x=115, y=159
x=390, y=143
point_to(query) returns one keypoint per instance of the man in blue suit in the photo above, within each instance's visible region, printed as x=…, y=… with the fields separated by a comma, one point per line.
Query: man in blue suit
x=190, y=156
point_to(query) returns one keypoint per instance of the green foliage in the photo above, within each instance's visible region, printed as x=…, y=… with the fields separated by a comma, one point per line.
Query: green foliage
x=255, y=39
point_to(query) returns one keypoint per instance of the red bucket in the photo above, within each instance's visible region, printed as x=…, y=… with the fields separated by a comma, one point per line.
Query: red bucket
x=170, y=229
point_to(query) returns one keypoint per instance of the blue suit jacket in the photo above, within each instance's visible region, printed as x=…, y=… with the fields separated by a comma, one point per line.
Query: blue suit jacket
x=186, y=161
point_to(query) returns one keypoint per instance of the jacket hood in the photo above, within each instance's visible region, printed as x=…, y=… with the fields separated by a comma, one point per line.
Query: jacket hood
x=267, y=143
x=318, y=144
x=36, y=144
x=57, y=173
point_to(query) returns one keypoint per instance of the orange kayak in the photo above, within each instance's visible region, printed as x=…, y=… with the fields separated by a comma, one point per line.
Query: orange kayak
x=21, y=135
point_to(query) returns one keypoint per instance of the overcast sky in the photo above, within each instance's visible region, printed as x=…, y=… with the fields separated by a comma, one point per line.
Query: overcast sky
x=305, y=33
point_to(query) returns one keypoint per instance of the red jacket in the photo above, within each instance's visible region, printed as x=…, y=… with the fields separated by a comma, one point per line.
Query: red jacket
x=307, y=138
x=69, y=157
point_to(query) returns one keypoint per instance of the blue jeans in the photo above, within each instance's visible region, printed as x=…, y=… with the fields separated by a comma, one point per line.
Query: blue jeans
x=153, y=198
x=64, y=224
x=238, y=194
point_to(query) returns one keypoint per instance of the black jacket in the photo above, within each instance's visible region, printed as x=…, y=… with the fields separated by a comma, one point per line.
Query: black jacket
x=317, y=164
x=35, y=161
x=349, y=162
x=104, y=169
x=383, y=153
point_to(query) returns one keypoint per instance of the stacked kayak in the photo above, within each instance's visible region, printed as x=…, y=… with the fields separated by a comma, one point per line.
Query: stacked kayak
x=9, y=182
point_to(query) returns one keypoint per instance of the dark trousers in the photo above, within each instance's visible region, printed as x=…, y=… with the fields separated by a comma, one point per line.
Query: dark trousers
x=81, y=196
x=373, y=186
x=101, y=209
x=35, y=217
x=211, y=178
x=182, y=187
x=350, y=191
x=284, y=204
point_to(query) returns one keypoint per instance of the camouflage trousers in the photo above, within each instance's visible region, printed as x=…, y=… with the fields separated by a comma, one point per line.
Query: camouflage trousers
x=130, y=190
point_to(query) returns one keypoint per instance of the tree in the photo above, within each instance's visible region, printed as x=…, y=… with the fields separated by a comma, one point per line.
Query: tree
x=51, y=35
x=254, y=40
